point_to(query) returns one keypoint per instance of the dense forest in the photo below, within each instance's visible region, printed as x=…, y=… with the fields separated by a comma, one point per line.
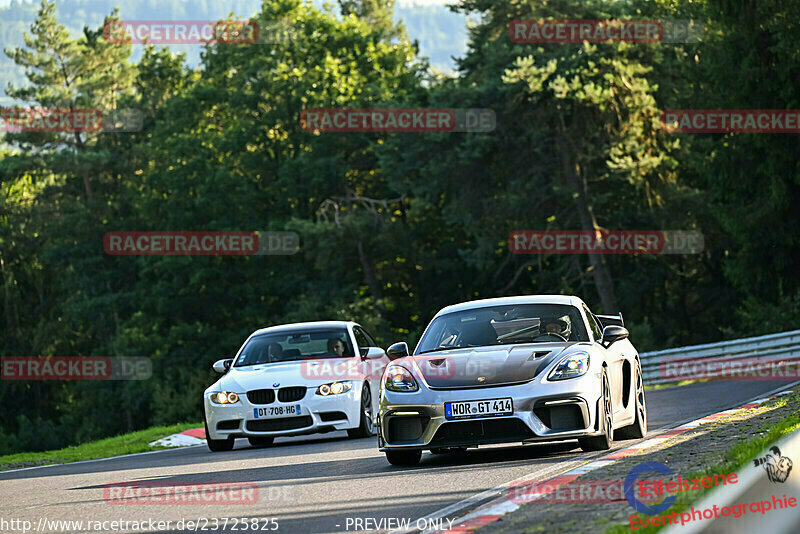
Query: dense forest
x=393, y=226
x=441, y=33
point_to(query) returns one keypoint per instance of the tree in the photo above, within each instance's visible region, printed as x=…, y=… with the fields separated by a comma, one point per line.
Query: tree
x=378, y=14
x=65, y=74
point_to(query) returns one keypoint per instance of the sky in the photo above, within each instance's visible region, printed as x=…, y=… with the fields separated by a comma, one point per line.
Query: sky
x=4, y=3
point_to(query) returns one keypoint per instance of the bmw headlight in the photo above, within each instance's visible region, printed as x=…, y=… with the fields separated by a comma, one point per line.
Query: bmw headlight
x=398, y=378
x=574, y=365
x=225, y=397
x=335, y=388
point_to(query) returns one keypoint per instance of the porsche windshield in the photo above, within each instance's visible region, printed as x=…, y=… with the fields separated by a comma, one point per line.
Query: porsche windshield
x=498, y=325
x=295, y=345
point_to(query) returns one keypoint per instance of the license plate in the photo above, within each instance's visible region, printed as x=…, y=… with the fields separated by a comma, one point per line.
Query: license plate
x=478, y=408
x=276, y=411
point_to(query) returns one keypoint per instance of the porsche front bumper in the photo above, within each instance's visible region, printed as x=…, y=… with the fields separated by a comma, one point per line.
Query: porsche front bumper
x=543, y=411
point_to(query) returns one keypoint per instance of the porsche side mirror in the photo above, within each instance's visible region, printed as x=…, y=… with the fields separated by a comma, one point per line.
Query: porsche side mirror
x=398, y=350
x=222, y=366
x=612, y=334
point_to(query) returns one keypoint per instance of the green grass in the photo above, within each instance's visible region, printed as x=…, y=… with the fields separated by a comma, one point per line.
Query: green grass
x=104, y=448
x=734, y=459
x=654, y=387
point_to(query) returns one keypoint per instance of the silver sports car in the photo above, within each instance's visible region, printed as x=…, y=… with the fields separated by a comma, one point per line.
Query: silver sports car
x=514, y=369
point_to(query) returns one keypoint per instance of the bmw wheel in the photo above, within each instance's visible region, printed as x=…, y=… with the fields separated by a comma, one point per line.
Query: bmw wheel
x=218, y=445
x=366, y=426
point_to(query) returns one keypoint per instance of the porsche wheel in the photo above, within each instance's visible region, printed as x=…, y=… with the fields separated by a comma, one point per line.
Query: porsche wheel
x=404, y=458
x=602, y=442
x=638, y=429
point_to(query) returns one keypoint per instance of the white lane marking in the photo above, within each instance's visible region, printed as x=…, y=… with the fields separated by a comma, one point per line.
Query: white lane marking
x=500, y=508
x=591, y=466
x=653, y=442
x=694, y=424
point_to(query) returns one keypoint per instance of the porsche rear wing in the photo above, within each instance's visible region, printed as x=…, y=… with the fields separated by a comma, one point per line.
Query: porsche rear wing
x=611, y=319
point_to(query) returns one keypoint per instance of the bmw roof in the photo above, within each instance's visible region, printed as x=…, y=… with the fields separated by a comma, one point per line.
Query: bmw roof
x=301, y=326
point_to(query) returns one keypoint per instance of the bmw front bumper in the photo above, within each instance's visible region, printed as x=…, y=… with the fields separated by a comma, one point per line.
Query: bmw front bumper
x=317, y=414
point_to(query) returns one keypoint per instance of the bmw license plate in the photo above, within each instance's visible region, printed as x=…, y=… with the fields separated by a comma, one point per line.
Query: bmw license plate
x=478, y=408
x=277, y=411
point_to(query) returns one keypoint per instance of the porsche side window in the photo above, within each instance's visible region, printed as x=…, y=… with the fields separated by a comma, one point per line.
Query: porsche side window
x=593, y=324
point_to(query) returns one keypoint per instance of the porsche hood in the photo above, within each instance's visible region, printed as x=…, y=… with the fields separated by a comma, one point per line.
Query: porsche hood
x=486, y=366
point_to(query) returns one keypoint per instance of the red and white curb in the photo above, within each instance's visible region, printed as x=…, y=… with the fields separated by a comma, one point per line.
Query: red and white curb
x=493, y=510
x=187, y=438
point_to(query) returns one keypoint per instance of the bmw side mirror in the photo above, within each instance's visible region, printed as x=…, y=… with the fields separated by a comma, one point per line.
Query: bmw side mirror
x=398, y=350
x=222, y=366
x=612, y=334
x=372, y=353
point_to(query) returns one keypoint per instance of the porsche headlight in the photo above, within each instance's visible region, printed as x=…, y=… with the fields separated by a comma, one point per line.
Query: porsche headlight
x=399, y=379
x=574, y=365
x=335, y=388
x=225, y=397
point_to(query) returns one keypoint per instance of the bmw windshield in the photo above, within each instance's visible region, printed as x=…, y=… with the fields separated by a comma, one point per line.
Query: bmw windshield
x=499, y=325
x=295, y=345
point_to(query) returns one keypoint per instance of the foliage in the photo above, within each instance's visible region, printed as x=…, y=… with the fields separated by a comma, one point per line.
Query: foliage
x=393, y=226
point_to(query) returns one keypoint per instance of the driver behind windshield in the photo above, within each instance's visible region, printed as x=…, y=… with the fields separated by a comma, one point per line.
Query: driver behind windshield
x=275, y=352
x=503, y=325
x=555, y=327
x=336, y=346
x=559, y=326
x=449, y=336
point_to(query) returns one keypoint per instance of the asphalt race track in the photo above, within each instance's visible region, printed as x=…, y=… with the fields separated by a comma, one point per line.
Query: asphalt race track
x=324, y=483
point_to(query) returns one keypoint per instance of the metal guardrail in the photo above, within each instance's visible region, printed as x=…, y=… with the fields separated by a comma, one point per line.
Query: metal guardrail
x=772, y=349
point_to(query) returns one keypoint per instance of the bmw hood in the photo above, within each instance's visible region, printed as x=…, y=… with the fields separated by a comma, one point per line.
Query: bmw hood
x=486, y=366
x=286, y=374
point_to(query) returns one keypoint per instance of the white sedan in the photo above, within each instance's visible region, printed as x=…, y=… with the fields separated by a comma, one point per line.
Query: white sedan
x=296, y=379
